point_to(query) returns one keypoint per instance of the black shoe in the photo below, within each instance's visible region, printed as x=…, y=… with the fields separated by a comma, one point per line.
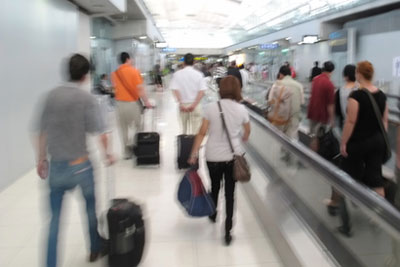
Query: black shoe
x=213, y=218
x=94, y=256
x=332, y=210
x=345, y=230
x=228, y=239
x=128, y=157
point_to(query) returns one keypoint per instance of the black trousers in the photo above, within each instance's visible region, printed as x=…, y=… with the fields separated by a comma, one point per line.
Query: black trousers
x=364, y=162
x=223, y=171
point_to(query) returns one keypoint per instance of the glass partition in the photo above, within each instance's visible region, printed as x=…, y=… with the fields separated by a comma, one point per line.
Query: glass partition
x=375, y=223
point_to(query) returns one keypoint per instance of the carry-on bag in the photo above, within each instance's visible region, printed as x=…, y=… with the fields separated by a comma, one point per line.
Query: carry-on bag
x=126, y=232
x=280, y=105
x=193, y=197
x=185, y=144
x=329, y=147
x=147, y=148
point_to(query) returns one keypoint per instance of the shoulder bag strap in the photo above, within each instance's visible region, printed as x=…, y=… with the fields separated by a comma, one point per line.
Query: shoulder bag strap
x=143, y=107
x=279, y=101
x=225, y=128
x=123, y=83
x=378, y=115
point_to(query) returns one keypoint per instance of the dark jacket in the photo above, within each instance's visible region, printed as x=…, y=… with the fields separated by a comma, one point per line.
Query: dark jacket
x=315, y=72
x=235, y=72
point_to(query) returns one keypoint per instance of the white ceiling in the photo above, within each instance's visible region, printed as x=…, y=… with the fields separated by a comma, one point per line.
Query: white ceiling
x=221, y=23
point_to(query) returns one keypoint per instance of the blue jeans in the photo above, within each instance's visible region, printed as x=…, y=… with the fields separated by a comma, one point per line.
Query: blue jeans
x=64, y=177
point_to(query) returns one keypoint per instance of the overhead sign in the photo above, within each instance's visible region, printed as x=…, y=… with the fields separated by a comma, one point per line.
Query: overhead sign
x=168, y=50
x=269, y=46
x=310, y=39
x=338, y=41
x=161, y=45
x=200, y=58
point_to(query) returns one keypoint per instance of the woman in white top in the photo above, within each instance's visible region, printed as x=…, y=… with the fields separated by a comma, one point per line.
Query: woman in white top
x=342, y=95
x=219, y=156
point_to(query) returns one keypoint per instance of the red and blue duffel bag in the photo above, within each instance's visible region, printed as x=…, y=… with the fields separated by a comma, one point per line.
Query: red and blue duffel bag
x=193, y=197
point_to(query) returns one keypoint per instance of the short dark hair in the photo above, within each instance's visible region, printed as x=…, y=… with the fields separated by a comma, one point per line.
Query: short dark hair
x=285, y=70
x=78, y=67
x=328, y=66
x=188, y=59
x=124, y=57
x=229, y=87
x=316, y=63
x=103, y=76
x=241, y=66
x=350, y=72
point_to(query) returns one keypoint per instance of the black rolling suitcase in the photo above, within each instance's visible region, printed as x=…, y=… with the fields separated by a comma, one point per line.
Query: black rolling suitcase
x=147, y=149
x=185, y=143
x=126, y=232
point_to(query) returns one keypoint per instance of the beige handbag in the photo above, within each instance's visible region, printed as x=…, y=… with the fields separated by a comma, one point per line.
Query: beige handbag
x=241, y=170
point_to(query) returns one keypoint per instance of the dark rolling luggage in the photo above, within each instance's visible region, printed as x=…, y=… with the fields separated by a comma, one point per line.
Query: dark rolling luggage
x=185, y=143
x=147, y=149
x=126, y=233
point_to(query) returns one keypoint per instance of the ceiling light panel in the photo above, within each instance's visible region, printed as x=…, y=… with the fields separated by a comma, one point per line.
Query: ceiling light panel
x=220, y=23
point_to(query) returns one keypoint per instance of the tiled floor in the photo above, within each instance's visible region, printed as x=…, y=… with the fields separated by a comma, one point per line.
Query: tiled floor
x=173, y=239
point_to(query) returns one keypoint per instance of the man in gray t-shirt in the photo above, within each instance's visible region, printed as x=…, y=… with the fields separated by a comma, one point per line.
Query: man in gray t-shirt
x=69, y=114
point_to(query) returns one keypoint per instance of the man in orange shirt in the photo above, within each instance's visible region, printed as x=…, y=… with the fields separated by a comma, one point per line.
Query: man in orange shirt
x=129, y=90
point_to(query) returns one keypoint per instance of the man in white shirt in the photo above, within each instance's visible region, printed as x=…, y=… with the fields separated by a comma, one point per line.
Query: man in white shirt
x=296, y=99
x=245, y=77
x=188, y=86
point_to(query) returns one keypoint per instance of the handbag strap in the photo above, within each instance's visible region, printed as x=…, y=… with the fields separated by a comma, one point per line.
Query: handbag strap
x=378, y=115
x=279, y=101
x=224, y=126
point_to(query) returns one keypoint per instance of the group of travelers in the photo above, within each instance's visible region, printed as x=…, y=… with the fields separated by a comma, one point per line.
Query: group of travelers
x=358, y=108
x=70, y=113
x=360, y=111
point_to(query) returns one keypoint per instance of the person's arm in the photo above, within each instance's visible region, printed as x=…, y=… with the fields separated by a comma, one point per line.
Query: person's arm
x=302, y=95
x=199, y=96
x=179, y=100
x=42, y=164
x=331, y=112
x=331, y=106
x=246, y=133
x=270, y=94
x=351, y=119
x=194, y=155
x=104, y=141
x=143, y=95
x=386, y=118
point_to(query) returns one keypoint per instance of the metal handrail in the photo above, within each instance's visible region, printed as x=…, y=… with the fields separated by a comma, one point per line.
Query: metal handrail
x=392, y=111
x=372, y=204
x=307, y=92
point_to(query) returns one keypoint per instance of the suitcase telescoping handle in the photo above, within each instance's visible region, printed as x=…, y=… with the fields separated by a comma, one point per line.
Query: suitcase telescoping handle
x=110, y=174
x=153, y=111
